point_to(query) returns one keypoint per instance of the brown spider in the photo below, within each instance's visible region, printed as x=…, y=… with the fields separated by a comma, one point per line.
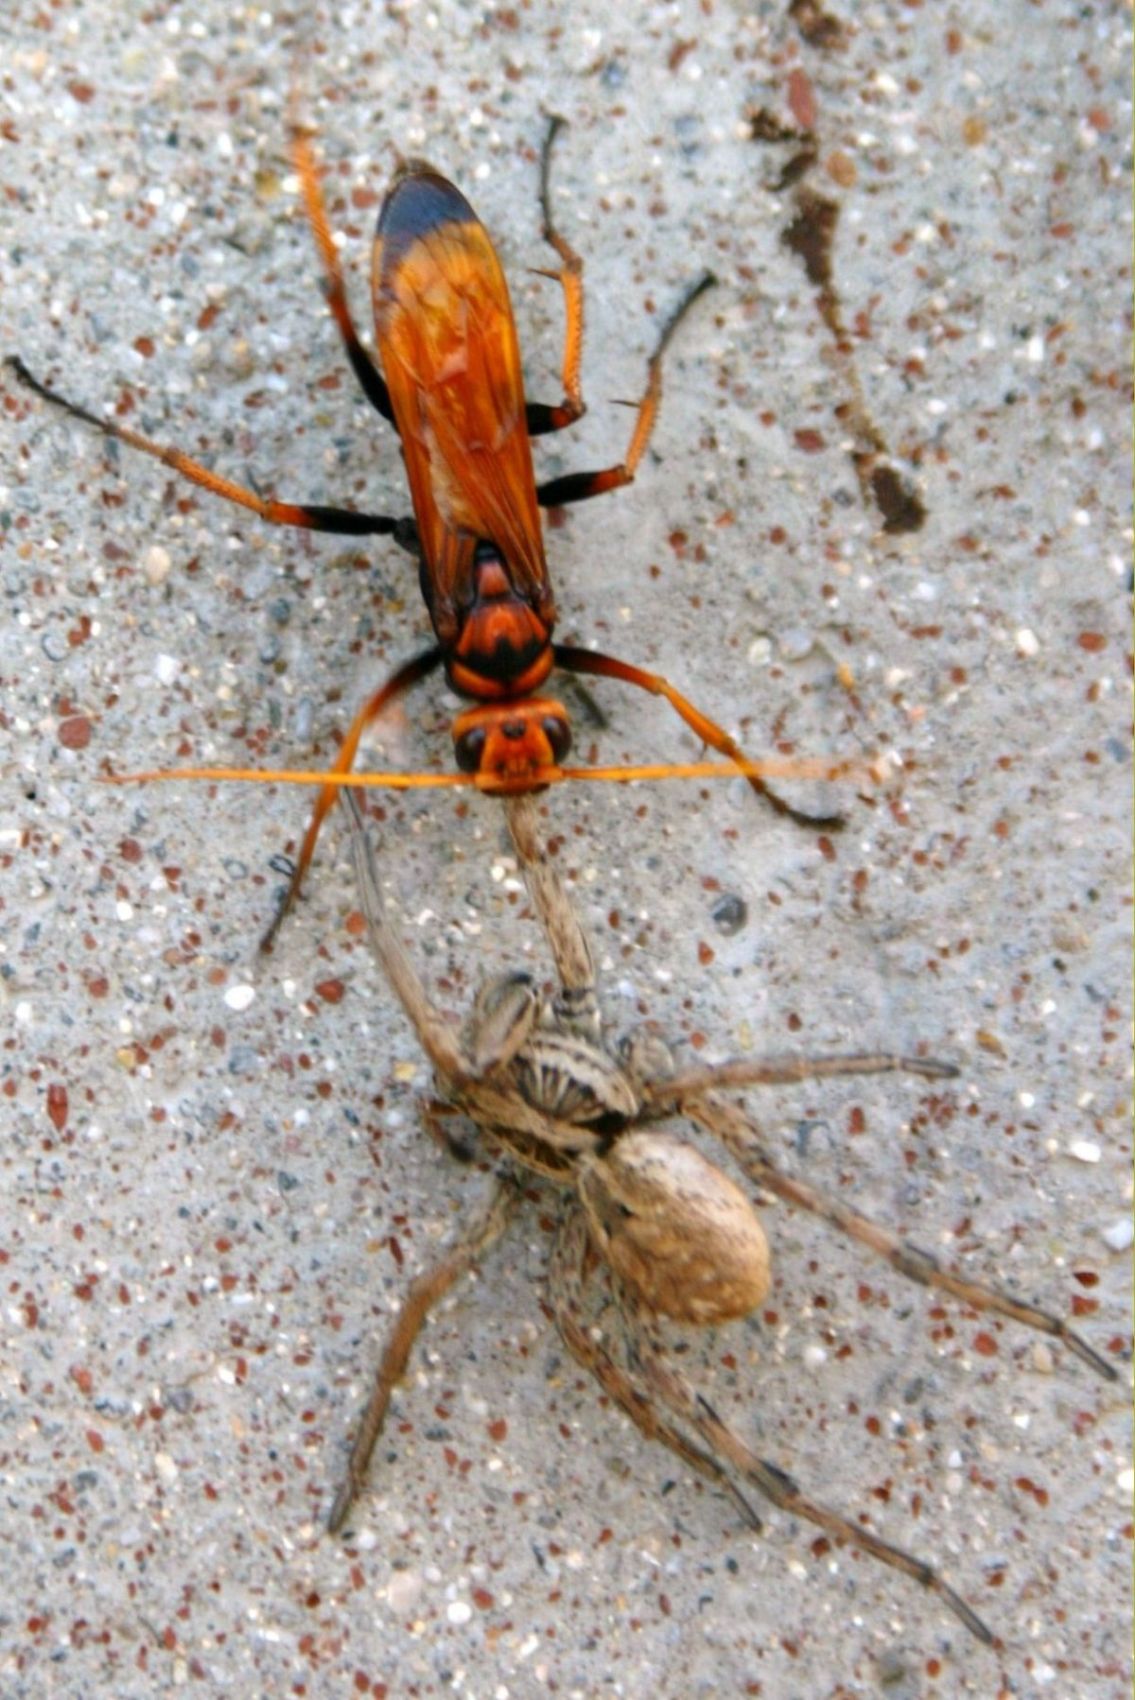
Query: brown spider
x=680, y=1239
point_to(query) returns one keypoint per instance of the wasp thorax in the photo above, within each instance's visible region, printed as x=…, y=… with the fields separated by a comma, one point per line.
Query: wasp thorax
x=676, y=1229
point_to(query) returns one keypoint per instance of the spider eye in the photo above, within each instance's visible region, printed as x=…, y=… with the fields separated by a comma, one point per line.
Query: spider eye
x=558, y=733
x=469, y=748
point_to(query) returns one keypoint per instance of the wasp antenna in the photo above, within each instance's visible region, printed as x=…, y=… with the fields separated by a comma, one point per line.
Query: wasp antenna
x=296, y=776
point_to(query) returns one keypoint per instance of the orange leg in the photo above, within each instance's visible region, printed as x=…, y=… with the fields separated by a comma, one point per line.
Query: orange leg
x=362, y=363
x=306, y=515
x=580, y=486
x=609, y=667
x=540, y=418
x=408, y=674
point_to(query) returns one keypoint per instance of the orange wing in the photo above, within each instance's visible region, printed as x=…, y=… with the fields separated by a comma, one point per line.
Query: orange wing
x=447, y=342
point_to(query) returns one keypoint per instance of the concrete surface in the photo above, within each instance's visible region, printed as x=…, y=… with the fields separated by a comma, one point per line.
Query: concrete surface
x=214, y=1184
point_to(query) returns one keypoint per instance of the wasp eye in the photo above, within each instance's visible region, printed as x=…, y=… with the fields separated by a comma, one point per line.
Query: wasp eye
x=558, y=734
x=469, y=748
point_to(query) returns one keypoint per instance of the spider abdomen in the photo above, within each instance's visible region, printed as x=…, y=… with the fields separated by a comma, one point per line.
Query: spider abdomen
x=676, y=1229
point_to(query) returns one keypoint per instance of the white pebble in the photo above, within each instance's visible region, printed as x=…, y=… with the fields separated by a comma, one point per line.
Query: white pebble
x=156, y=564
x=1119, y=1234
x=1027, y=643
x=1084, y=1151
x=459, y=1611
x=167, y=667
x=796, y=643
x=403, y=1589
x=239, y=997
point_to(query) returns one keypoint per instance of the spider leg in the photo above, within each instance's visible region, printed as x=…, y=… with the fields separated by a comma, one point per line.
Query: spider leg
x=788, y=1070
x=438, y=1039
x=780, y=1488
x=577, y=1005
x=679, y=1398
x=567, y=1279
x=425, y=1292
x=462, y=1145
x=503, y=1017
x=737, y=1133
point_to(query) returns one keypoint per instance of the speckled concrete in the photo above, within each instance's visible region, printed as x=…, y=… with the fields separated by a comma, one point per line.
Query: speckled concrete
x=214, y=1184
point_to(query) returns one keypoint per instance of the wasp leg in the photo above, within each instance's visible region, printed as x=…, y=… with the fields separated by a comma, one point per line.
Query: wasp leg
x=362, y=362
x=306, y=515
x=580, y=486
x=574, y=660
x=408, y=674
x=540, y=418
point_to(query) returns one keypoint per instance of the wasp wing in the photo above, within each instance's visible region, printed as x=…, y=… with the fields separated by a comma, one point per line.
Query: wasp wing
x=449, y=351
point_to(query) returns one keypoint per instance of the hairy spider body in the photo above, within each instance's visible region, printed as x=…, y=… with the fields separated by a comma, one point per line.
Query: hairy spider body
x=679, y=1238
x=715, y=1270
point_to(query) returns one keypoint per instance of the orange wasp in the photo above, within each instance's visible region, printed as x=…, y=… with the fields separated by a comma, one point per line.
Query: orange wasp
x=448, y=379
